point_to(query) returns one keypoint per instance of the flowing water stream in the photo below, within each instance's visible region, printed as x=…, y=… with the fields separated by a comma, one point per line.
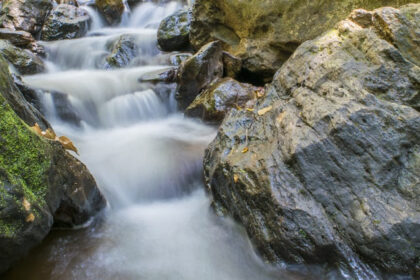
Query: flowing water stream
x=147, y=160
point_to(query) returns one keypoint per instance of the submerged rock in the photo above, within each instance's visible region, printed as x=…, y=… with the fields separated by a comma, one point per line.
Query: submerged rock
x=197, y=72
x=40, y=183
x=122, y=53
x=111, y=9
x=215, y=102
x=327, y=167
x=174, y=31
x=24, y=61
x=65, y=22
x=26, y=15
x=265, y=33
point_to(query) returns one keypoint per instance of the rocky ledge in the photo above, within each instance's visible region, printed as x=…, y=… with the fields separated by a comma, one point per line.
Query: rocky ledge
x=326, y=167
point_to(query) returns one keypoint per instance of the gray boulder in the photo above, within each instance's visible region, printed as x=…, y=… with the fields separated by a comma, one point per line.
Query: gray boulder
x=327, y=166
x=65, y=22
x=197, y=72
x=25, y=15
x=174, y=31
x=122, y=52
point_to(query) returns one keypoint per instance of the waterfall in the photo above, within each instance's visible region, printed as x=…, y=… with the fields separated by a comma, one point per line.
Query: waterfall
x=147, y=160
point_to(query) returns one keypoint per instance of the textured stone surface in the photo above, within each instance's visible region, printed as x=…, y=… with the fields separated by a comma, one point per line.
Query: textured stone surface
x=40, y=183
x=111, y=9
x=197, y=72
x=24, y=61
x=264, y=33
x=174, y=31
x=26, y=15
x=326, y=168
x=65, y=22
x=122, y=52
x=215, y=102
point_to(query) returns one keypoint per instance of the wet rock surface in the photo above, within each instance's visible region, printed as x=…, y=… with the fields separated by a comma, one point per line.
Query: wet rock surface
x=24, y=61
x=265, y=33
x=65, y=22
x=122, y=52
x=215, y=102
x=197, y=72
x=112, y=10
x=25, y=15
x=174, y=31
x=326, y=168
x=40, y=183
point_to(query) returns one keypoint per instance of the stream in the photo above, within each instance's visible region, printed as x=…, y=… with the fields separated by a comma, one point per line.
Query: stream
x=147, y=160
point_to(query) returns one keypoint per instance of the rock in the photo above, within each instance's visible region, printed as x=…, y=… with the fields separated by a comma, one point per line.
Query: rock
x=64, y=108
x=24, y=61
x=68, y=2
x=198, y=72
x=215, y=102
x=30, y=95
x=327, y=167
x=264, y=33
x=167, y=75
x=232, y=65
x=178, y=58
x=111, y=9
x=26, y=15
x=21, y=39
x=123, y=51
x=65, y=22
x=40, y=183
x=174, y=31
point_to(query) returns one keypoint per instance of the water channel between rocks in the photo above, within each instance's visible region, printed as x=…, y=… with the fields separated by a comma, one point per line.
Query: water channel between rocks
x=147, y=160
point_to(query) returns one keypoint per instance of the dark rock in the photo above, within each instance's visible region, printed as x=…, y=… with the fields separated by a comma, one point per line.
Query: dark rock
x=265, y=33
x=123, y=51
x=65, y=22
x=178, y=58
x=24, y=61
x=21, y=39
x=111, y=9
x=167, y=75
x=215, y=102
x=197, y=72
x=174, y=31
x=232, y=65
x=68, y=2
x=26, y=15
x=64, y=108
x=31, y=95
x=326, y=169
x=40, y=183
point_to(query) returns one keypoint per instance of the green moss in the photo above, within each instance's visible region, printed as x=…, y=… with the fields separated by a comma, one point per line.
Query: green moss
x=24, y=156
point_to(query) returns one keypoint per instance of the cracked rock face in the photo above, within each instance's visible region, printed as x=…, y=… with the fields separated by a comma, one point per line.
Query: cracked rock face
x=329, y=169
x=265, y=33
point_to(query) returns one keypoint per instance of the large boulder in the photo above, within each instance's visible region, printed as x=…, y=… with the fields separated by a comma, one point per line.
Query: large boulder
x=198, y=71
x=327, y=166
x=112, y=10
x=65, y=22
x=264, y=33
x=215, y=102
x=26, y=15
x=174, y=31
x=40, y=183
x=23, y=60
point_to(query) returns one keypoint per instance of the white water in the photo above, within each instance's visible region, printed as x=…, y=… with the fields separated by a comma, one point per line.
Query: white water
x=147, y=160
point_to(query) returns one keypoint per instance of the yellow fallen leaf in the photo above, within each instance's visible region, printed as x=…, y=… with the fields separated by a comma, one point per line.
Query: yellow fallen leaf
x=260, y=92
x=250, y=109
x=235, y=178
x=238, y=107
x=37, y=129
x=49, y=134
x=67, y=144
x=26, y=204
x=264, y=110
x=280, y=117
x=245, y=150
x=30, y=218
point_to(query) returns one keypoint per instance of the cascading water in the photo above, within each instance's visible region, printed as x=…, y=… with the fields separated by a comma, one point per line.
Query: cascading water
x=146, y=159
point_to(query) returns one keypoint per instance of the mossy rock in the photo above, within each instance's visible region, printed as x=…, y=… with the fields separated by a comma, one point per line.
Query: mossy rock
x=174, y=31
x=40, y=183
